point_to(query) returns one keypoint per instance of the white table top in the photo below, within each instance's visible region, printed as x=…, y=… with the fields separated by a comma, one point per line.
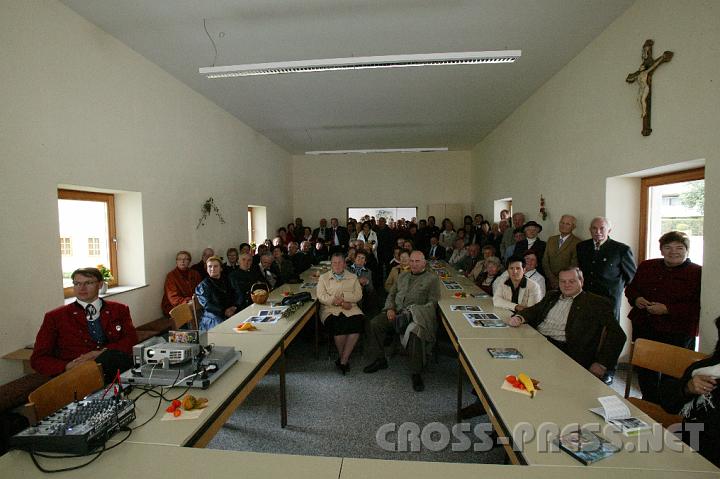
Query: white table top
x=568, y=391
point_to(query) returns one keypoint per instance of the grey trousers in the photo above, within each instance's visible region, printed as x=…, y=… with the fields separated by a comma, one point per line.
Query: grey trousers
x=379, y=326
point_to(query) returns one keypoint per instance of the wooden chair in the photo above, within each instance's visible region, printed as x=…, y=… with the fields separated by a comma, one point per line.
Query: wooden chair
x=665, y=359
x=61, y=390
x=185, y=313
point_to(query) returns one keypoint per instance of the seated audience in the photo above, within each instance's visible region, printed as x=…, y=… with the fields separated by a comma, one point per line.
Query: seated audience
x=368, y=236
x=518, y=236
x=459, y=253
x=285, y=269
x=338, y=292
x=402, y=266
x=88, y=329
x=350, y=259
x=580, y=323
x=487, y=252
x=411, y=311
x=531, y=272
x=215, y=295
x=306, y=247
x=322, y=231
x=365, y=276
x=396, y=257
x=665, y=296
x=447, y=235
x=435, y=251
x=200, y=265
x=300, y=261
x=696, y=398
x=472, y=258
x=267, y=271
x=242, y=279
x=486, y=279
x=232, y=261
x=321, y=251
x=517, y=292
x=180, y=283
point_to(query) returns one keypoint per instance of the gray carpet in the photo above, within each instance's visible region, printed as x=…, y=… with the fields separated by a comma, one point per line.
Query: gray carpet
x=334, y=415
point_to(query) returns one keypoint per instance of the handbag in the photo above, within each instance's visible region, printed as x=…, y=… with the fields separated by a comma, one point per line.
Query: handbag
x=296, y=298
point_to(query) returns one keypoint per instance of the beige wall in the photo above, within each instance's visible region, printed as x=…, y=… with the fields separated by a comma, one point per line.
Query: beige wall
x=79, y=107
x=325, y=186
x=583, y=127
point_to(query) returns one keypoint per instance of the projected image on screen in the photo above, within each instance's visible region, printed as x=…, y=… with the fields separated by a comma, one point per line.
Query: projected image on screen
x=390, y=214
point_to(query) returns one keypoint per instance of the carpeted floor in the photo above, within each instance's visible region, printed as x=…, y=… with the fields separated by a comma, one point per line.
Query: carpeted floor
x=334, y=415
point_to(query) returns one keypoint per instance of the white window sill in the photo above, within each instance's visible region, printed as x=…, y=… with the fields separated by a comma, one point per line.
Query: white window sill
x=112, y=292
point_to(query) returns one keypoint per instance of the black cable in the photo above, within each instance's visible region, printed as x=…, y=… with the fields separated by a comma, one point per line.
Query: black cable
x=212, y=41
x=65, y=469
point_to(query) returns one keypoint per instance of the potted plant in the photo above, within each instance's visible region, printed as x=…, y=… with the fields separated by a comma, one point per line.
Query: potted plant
x=107, y=277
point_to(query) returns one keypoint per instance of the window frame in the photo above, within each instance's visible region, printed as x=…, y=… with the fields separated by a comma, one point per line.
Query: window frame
x=657, y=180
x=109, y=200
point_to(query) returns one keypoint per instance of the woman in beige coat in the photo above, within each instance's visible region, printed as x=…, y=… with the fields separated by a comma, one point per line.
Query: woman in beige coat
x=339, y=291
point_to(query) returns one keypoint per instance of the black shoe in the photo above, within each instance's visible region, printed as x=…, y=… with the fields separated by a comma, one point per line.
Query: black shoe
x=609, y=378
x=475, y=409
x=376, y=365
x=418, y=384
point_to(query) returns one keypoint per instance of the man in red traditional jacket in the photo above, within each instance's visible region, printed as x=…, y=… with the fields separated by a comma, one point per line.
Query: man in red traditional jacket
x=89, y=329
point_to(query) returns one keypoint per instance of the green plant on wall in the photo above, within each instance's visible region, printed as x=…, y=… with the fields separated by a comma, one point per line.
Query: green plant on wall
x=207, y=208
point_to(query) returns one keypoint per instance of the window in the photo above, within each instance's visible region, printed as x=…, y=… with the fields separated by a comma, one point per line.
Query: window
x=93, y=246
x=86, y=217
x=66, y=246
x=672, y=202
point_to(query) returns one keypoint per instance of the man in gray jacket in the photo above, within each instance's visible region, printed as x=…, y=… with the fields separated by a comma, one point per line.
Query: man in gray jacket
x=410, y=310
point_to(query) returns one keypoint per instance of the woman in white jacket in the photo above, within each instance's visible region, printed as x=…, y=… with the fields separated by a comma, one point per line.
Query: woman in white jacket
x=367, y=235
x=518, y=292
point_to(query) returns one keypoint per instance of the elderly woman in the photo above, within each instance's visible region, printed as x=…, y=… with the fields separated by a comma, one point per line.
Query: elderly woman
x=665, y=295
x=180, y=283
x=367, y=235
x=518, y=292
x=396, y=270
x=232, y=261
x=493, y=269
x=215, y=295
x=697, y=397
x=338, y=292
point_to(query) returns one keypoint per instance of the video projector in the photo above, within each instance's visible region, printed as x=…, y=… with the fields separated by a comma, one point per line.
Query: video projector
x=158, y=362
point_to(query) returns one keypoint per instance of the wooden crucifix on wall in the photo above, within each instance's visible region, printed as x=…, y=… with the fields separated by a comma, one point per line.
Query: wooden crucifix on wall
x=644, y=76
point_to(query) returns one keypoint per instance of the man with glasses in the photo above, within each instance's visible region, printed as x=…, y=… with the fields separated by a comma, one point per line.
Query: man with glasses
x=88, y=329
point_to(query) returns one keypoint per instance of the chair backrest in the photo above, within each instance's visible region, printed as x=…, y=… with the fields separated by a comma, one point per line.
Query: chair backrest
x=185, y=313
x=660, y=357
x=61, y=390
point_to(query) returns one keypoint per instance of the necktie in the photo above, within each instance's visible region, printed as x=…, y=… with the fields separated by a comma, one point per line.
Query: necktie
x=562, y=240
x=90, y=312
x=597, y=246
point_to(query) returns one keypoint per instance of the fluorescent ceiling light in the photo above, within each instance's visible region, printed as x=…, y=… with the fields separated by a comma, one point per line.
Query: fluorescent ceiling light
x=360, y=63
x=385, y=150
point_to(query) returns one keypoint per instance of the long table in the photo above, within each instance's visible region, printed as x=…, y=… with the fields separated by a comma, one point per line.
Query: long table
x=568, y=391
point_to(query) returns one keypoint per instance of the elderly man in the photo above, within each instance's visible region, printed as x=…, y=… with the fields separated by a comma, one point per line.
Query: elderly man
x=200, y=265
x=323, y=231
x=561, y=250
x=267, y=271
x=518, y=220
x=339, y=237
x=88, y=329
x=301, y=262
x=608, y=265
x=459, y=253
x=471, y=259
x=242, y=280
x=581, y=324
x=410, y=310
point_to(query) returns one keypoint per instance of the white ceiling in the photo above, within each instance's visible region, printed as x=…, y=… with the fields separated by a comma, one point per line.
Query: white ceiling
x=454, y=106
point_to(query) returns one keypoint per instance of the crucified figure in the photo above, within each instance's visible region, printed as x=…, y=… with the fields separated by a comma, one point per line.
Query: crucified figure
x=644, y=78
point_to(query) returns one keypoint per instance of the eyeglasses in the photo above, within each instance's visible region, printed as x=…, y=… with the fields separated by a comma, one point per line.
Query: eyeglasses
x=80, y=284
